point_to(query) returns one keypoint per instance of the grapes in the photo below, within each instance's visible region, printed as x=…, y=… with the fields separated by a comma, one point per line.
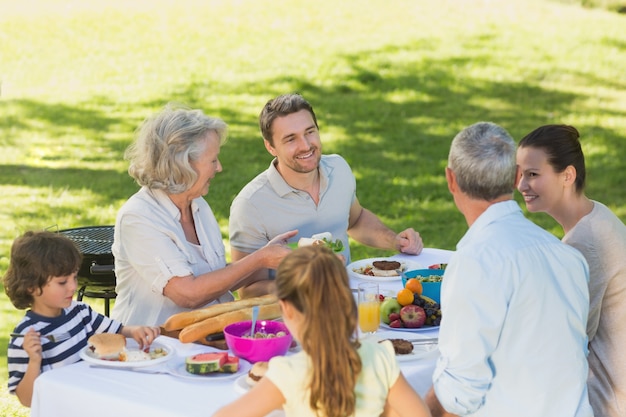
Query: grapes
x=432, y=310
x=418, y=301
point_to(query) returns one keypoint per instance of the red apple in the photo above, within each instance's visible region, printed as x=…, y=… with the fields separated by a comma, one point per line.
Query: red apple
x=412, y=316
x=396, y=324
x=394, y=316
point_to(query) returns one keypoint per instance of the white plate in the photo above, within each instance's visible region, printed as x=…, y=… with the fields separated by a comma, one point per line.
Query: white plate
x=406, y=329
x=406, y=266
x=87, y=355
x=179, y=369
x=241, y=384
x=419, y=352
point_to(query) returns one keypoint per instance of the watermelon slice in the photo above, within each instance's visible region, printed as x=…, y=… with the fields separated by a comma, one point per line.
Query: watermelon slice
x=205, y=363
x=231, y=366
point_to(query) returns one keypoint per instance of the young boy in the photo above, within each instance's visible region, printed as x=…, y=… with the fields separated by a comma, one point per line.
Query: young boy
x=42, y=275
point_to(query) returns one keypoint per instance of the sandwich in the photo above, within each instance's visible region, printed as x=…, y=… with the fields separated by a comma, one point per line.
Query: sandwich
x=256, y=372
x=108, y=346
x=325, y=238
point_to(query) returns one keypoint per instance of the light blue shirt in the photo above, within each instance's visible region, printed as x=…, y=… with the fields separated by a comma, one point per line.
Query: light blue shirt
x=514, y=306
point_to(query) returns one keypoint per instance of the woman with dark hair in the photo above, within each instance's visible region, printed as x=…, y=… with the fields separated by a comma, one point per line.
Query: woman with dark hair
x=552, y=181
x=168, y=247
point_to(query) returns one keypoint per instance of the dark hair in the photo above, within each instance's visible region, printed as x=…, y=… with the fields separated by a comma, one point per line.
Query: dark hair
x=279, y=107
x=561, y=145
x=37, y=257
x=315, y=282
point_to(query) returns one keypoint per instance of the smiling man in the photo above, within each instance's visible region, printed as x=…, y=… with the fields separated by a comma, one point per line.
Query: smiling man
x=305, y=190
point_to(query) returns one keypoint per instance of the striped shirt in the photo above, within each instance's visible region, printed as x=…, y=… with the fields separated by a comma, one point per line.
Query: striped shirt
x=79, y=319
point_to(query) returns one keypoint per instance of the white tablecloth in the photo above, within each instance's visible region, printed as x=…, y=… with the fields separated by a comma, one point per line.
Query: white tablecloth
x=78, y=390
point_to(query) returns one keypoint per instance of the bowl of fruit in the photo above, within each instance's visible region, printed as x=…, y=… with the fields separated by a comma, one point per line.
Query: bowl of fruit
x=410, y=309
x=430, y=280
x=270, y=338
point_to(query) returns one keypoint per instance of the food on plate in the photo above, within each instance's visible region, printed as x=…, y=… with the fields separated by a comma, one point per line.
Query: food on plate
x=432, y=309
x=205, y=363
x=112, y=347
x=412, y=316
x=401, y=346
x=437, y=266
x=325, y=238
x=382, y=268
x=256, y=372
x=179, y=321
x=231, y=366
x=211, y=362
x=386, y=265
x=391, y=312
x=414, y=285
x=134, y=356
x=388, y=307
x=405, y=297
x=107, y=346
x=200, y=330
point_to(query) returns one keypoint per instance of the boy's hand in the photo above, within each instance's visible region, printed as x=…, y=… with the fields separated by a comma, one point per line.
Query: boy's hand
x=32, y=345
x=143, y=335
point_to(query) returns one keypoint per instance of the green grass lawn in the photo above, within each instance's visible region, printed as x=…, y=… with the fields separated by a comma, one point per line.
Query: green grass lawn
x=391, y=81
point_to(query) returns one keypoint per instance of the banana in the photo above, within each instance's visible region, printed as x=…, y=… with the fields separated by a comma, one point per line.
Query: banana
x=429, y=300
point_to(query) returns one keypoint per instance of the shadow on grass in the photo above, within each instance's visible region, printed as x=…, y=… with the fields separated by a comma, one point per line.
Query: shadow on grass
x=105, y=185
x=396, y=146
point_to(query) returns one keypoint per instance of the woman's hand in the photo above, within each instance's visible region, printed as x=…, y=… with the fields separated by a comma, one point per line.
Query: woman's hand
x=276, y=249
x=283, y=238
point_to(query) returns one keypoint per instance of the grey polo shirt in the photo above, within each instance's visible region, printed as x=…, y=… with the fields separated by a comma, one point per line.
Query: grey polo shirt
x=268, y=206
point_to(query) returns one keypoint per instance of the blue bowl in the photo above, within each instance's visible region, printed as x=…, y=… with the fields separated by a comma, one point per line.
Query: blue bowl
x=429, y=289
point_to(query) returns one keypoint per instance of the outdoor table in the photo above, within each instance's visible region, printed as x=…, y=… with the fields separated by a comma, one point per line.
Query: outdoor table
x=78, y=389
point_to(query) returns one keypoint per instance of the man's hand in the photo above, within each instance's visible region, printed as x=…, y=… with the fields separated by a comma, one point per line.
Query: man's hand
x=409, y=241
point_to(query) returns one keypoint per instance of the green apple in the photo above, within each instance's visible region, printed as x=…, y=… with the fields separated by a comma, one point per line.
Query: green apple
x=390, y=305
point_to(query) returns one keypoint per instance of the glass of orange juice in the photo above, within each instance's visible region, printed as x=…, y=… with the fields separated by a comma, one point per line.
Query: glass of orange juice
x=369, y=307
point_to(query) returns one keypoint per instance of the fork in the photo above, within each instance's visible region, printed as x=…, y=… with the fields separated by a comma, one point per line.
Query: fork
x=145, y=370
x=54, y=338
x=429, y=341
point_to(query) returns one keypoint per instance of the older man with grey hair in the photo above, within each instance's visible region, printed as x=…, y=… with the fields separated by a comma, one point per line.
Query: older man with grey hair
x=514, y=298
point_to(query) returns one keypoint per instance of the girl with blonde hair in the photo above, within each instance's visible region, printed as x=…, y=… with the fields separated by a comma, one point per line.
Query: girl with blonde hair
x=335, y=374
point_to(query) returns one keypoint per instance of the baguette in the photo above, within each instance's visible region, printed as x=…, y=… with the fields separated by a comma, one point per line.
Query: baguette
x=202, y=329
x=179, y=321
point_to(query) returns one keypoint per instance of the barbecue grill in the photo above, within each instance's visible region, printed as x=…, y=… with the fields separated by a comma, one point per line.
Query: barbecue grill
x=96, y=276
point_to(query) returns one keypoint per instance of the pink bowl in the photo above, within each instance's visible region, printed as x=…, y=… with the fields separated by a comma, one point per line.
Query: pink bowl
x=256, y=350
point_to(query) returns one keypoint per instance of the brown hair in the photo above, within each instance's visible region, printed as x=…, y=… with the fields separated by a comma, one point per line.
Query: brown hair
x=279, y=107
x=37, y=257
x=315, y=282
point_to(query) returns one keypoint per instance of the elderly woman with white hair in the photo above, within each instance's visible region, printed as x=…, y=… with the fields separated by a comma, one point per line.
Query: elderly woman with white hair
x=168, y=247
